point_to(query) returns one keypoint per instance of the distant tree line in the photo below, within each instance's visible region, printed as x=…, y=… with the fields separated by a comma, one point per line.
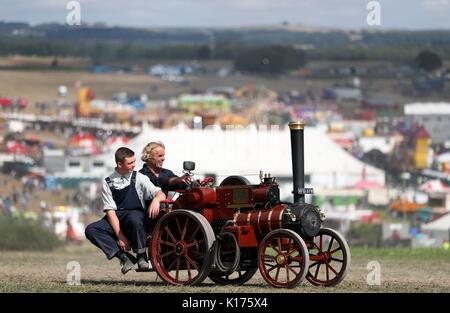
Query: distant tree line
x=269, y=51
x=405, y=54
x=100, y=41
x=102, y=51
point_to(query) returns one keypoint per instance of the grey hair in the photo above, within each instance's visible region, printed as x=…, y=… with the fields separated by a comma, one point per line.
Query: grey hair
x=147, y=152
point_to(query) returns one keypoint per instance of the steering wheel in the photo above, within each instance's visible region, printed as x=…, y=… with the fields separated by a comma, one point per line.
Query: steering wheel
x=205, y=181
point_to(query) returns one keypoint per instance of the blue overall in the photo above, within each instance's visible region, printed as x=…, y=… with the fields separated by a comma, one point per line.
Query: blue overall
x=132, y=218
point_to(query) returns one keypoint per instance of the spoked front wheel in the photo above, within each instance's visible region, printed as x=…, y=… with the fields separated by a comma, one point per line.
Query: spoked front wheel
x=283, y=258
x=329, y=256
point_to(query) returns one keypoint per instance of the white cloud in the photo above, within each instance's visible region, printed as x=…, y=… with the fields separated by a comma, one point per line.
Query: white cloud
x=332, y=13
x=261, y=4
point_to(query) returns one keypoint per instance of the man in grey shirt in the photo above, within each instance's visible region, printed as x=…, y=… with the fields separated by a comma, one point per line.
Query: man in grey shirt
x=123, y=228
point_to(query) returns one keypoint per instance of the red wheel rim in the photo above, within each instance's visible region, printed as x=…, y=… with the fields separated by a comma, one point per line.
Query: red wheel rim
x=181, y=248
x=329, y=258
x=283, y=258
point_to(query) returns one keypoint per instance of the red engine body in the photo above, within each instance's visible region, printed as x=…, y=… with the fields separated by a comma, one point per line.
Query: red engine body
x=254, y=209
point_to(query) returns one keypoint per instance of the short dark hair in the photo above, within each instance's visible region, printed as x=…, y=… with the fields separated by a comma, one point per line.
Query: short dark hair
x=122, y=153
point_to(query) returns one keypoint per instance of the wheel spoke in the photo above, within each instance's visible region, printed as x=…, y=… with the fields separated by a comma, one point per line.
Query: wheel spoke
x=184, y=229
x=290, y=268
x=189, y=270
x=326, y=270
x=195, y=242
x=166, y=228
x=198, y=254
x=167, y=243
x=167, y=254
x=271, y=245
x=291, y=251
x=317, y=270
x=330, y=244
x=337, y=249
x=278, y=272
x=171, y=265
x=287, y=273
x=195, y=232
x=316, y=247
x=178, y=226
x=190, y=261
x=271, y=268
x=314, y=264
x=178, y=268
x=332, y=269
x=337, y=260
x=289, y=246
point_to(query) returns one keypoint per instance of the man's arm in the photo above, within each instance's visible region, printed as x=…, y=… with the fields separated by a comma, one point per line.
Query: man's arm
x=185, y=179
x=107, y=198
x=124, y=243
x=153, y=210
x=150, y=191
x=174, y=182
x=110, y=207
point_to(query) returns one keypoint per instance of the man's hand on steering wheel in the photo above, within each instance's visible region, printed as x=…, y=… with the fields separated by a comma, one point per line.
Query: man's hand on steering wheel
x=186, y=179
x=205, y=181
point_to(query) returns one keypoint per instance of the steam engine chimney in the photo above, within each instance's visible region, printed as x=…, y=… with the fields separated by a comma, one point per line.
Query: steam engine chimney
x=298, y=164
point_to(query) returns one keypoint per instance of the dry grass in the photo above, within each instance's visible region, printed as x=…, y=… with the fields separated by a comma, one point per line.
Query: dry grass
x=401, y=271
x=42, y=86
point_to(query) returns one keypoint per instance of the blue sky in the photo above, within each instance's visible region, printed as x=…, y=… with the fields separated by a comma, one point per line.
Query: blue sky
x=345, y=14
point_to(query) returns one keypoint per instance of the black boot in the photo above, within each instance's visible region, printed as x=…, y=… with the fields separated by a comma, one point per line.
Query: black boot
x=126, y=260
x=142, y=261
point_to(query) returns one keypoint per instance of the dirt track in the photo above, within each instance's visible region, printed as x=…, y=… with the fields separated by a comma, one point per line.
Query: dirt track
x=401, y=271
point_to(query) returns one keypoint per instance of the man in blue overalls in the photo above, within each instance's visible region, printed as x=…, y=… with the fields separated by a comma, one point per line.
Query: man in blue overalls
x=123, y=228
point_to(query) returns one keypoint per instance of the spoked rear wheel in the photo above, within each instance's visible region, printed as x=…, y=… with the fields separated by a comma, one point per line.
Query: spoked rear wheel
x=283, y=258
x=329, y=258
x=182, y=247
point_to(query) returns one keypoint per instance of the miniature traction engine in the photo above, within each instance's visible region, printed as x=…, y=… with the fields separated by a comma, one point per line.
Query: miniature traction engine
x=231, y=231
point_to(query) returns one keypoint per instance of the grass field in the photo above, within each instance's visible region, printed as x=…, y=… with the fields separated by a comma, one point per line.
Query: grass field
x=402, y=270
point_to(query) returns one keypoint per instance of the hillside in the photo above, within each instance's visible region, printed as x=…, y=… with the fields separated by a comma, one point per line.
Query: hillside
x=264, y=34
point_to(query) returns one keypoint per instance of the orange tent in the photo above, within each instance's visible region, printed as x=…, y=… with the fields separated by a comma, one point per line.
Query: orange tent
x=400, y=205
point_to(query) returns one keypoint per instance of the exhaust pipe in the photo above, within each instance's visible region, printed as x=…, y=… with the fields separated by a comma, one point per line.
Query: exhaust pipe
x=298, y=164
